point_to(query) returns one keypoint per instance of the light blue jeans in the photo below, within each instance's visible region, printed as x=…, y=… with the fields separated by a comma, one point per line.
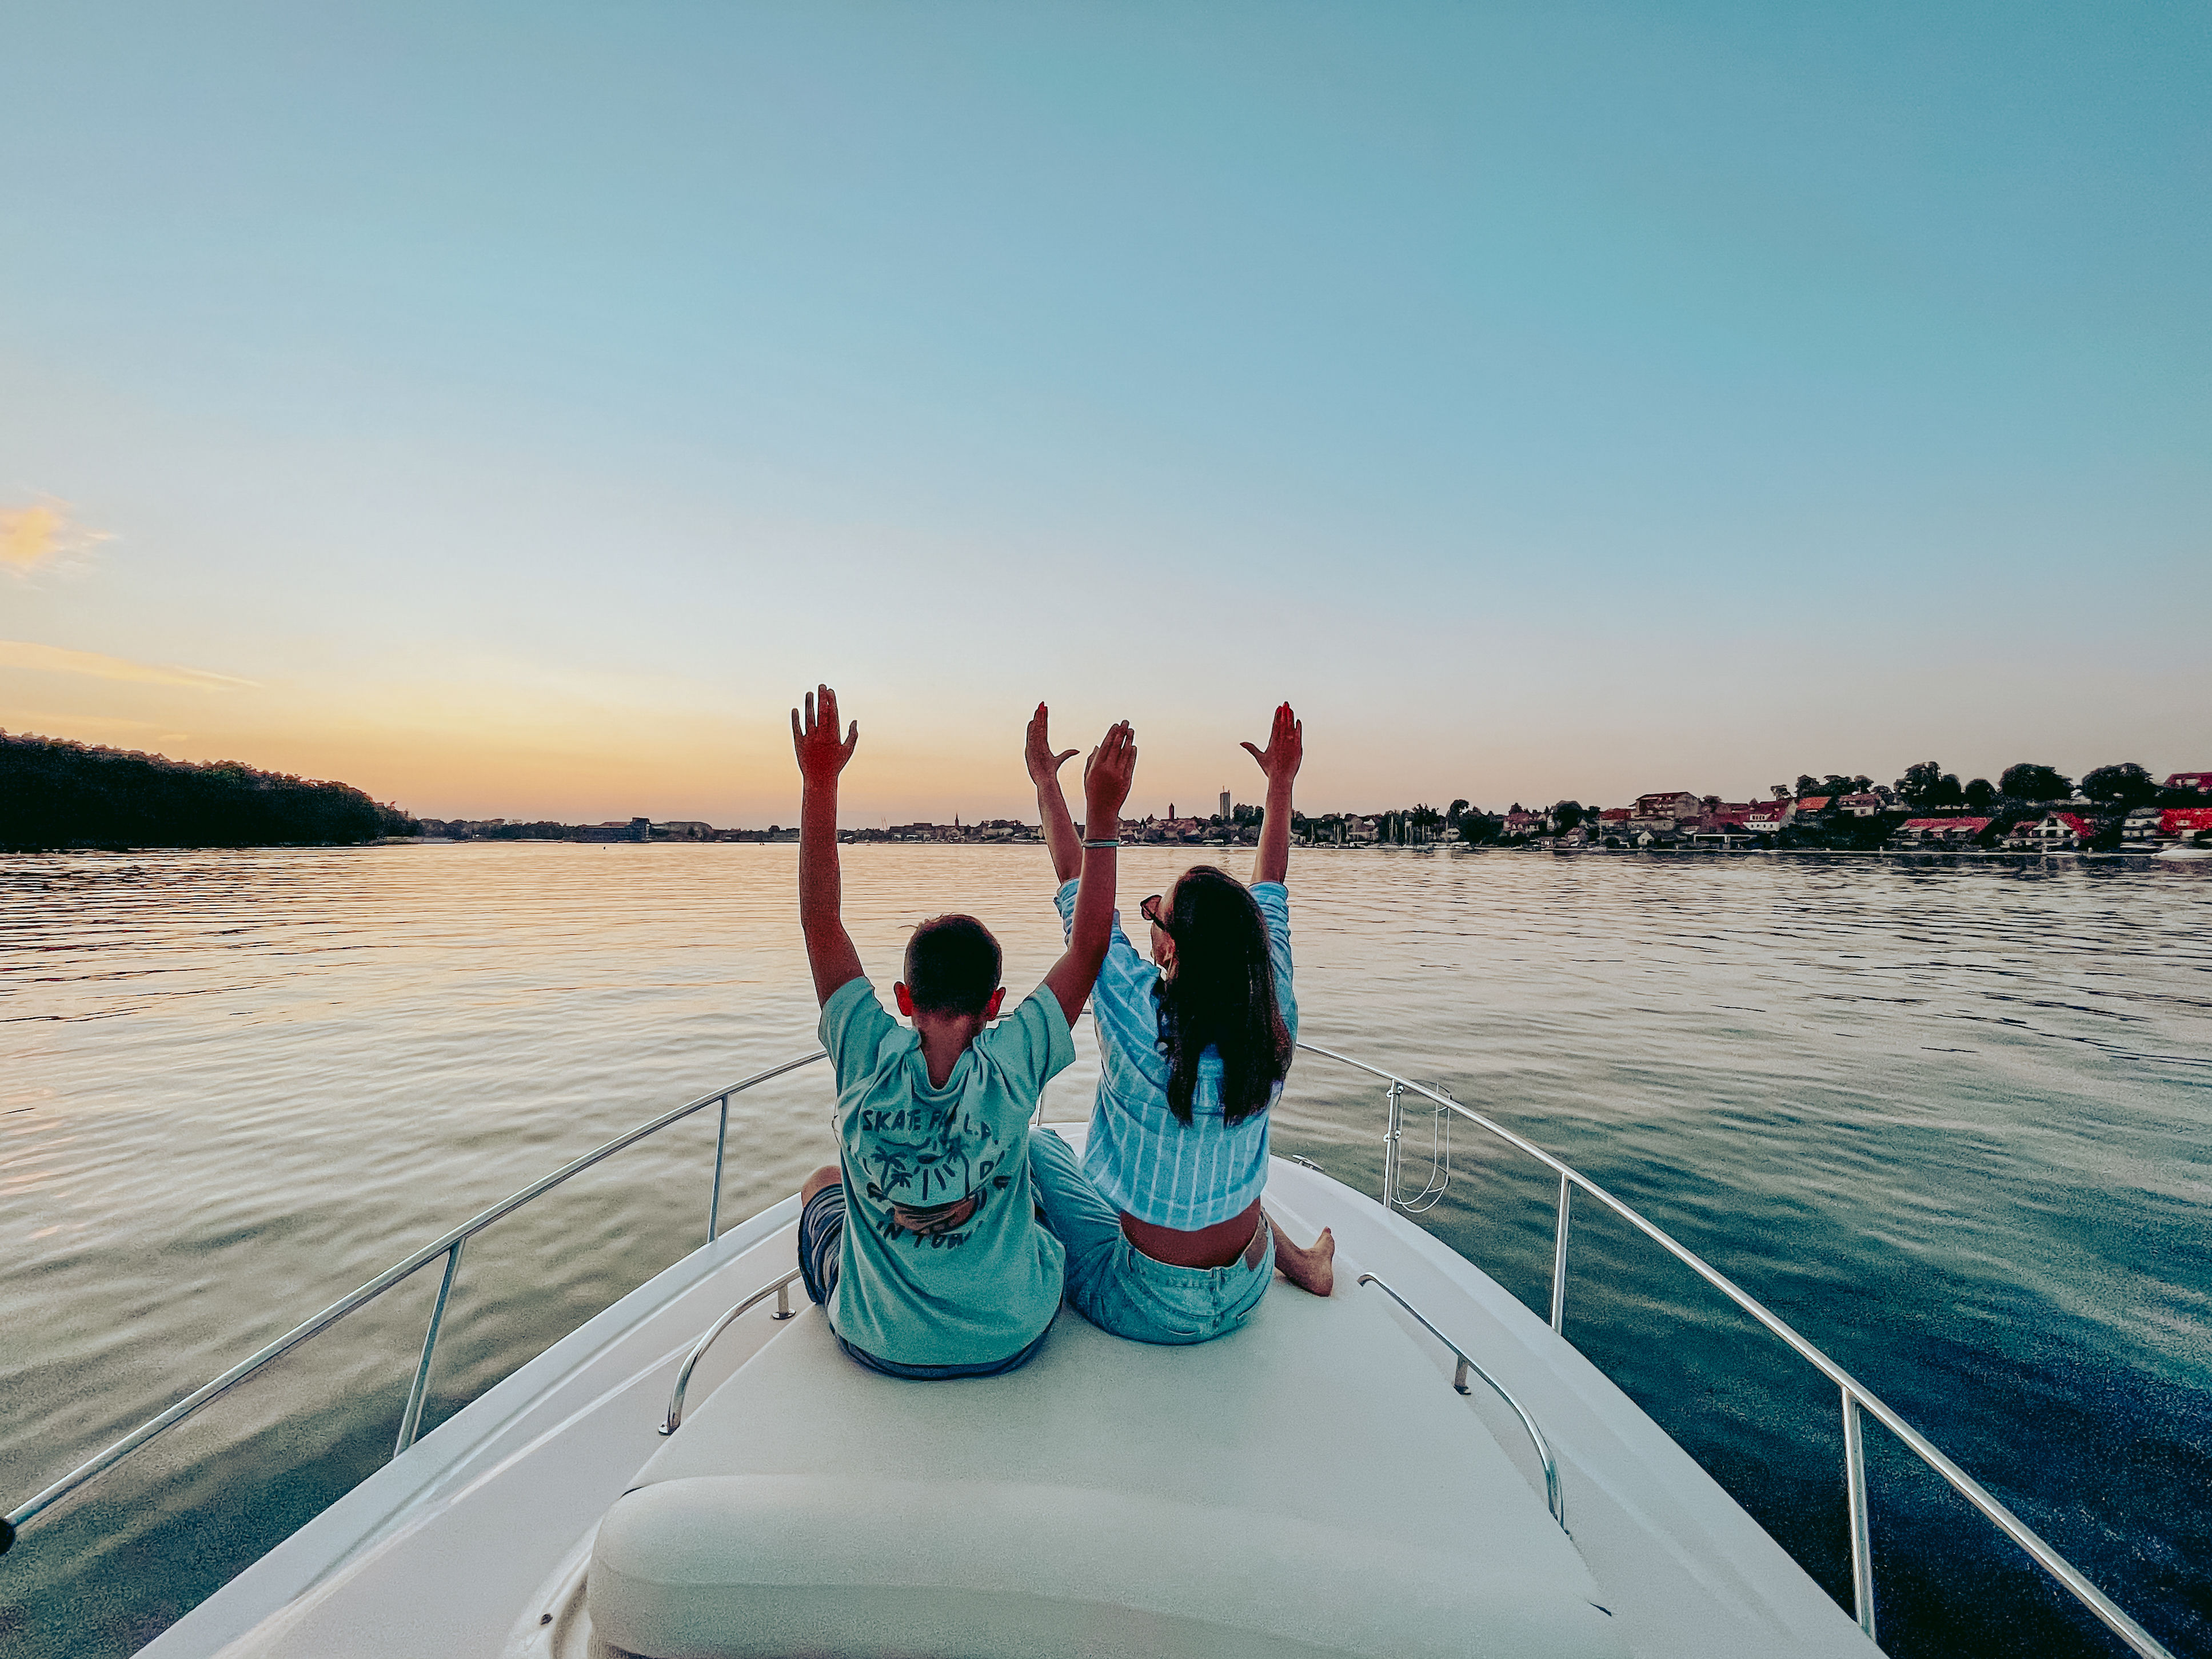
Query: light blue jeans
x=1116, y=1286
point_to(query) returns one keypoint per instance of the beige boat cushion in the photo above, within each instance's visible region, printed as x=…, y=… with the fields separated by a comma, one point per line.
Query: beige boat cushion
x=783, y=1565
x=1308, y=1485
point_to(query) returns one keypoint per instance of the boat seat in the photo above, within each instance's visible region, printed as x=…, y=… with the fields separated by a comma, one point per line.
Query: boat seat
x=781, y=1565
x=1310, y=1485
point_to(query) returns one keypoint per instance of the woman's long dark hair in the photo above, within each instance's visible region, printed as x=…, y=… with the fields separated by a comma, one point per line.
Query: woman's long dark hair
x=1222, y=995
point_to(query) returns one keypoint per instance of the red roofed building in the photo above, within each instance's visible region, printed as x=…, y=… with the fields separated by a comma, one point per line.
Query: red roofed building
x=1764, y=817
x=2200, y=781
x=1860, y=806
x=1668, y=804
x=1941, y=832
x=2052, y=832
x=2184, y=820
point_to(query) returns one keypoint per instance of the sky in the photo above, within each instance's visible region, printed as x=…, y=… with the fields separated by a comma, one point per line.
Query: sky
x=512, y=408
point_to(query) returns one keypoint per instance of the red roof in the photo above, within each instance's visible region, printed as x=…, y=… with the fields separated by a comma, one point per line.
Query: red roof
x=2190, y=780
x=1812, y=803
x=1974, y=826
x=2185, y=820
x=1614, y=815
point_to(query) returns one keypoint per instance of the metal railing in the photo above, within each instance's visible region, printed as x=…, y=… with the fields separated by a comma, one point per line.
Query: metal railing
x=781, y=1290
x=449, y=1246
x=1467, y=1363
x=1855, y=1397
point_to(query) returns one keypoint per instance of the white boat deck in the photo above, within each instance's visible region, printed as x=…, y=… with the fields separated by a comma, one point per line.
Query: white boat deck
x=1311, y=1484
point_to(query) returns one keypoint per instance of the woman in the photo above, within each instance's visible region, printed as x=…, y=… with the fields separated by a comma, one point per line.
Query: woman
x=1166, y=1241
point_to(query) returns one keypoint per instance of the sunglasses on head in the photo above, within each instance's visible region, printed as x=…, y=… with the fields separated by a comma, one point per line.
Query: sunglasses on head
x=1150, y=910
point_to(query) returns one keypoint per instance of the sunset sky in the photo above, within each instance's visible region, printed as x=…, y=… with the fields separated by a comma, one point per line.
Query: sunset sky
x=512, y=409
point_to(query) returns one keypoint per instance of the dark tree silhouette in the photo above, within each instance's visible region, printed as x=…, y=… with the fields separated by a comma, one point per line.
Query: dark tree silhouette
x=57, y=794
x=1478, y=829
x=2030, y=783
x=1928, y=785
x=2122, y=785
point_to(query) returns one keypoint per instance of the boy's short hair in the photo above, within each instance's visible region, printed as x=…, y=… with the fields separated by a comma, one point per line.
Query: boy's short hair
x=952, y=966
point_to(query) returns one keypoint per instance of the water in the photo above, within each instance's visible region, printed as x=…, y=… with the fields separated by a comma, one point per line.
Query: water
x=1947, y=1119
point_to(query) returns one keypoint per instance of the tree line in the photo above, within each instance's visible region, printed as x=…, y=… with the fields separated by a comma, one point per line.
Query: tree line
x=57, y=794
x=2121, y=787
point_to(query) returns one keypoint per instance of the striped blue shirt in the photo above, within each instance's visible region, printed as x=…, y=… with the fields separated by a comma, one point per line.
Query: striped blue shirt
x=1141, y=1158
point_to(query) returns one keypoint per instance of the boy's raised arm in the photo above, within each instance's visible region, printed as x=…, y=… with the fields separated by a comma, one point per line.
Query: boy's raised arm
x=1106, y=778
x=1052, y=806
x=821, y=757
x=1286, y=750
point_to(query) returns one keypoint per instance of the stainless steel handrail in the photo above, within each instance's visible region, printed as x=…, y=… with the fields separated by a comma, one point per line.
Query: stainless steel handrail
x=1856, y=1396
x=1469, y=1363
x=448, y=1246
x=781, y=1290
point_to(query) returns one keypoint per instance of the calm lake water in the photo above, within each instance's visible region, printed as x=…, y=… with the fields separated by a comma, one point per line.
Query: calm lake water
x=1949, y=1119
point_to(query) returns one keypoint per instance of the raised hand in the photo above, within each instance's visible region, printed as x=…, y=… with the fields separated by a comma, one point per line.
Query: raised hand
x=1044, y=765
x=821, y=757
x=1286, y=746
x=1108, y=772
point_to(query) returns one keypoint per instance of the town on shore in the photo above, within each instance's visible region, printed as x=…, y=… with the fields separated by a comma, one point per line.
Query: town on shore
x=2030, y=808
x=57, y=794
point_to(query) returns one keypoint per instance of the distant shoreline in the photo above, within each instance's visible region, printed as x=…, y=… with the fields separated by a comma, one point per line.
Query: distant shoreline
x=1456, y=850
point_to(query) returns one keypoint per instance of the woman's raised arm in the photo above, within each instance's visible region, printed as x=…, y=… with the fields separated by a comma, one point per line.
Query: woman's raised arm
x=1286, y=750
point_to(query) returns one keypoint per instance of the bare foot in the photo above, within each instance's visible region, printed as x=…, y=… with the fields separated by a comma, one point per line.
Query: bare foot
x=1312, y=1269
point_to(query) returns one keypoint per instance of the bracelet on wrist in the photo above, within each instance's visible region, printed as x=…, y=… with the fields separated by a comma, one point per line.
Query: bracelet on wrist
x=1114, y=842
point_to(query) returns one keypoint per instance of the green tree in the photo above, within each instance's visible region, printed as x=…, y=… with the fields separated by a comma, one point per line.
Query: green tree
x=2026, y=782
x=1928, y=785
x=1567, y=814
x=1919, y=781
x=58, y=794
x=1980, y=795
x=2123, y=786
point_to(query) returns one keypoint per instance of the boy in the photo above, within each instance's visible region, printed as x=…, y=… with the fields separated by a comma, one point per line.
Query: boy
x=944, y=1270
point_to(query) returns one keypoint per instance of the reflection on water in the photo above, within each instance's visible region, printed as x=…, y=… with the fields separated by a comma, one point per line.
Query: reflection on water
x=1949, y=1121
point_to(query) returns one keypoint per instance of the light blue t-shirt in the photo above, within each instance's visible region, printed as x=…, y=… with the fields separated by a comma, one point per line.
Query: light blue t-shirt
x=989, y=1288
x=1141, y=1156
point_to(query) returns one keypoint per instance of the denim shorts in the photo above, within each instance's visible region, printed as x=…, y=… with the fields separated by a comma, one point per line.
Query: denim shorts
x=821, y=1238
x=1118, y=1288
